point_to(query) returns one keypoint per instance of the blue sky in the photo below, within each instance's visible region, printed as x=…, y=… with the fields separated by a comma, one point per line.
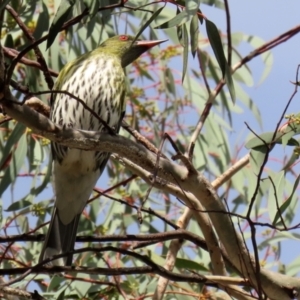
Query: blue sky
x=267, y=19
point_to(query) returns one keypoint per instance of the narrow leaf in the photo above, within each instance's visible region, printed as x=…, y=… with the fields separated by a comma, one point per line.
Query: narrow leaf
x=17, y=161
x=229, y=82
x=9, y=41
x=184, y=41
x=185, y=51
x=93, y=6
x=267, y=138
x=286, y=204
x=170, y=84
x=180, y=35
x=149, y=21
x=62, y=15
x=287, y=137
x=257, y=157
x=179, y=19
x=216, y=44
x=16, y=134
x=21, y=204
x=185, y=264
x=276, y=188
x=3, y=4
x=194, y=33
x=1, y=211
x=42, y=24
x=192, y=6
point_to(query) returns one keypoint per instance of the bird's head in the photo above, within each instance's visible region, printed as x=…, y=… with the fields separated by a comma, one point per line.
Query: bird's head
x=126, y=48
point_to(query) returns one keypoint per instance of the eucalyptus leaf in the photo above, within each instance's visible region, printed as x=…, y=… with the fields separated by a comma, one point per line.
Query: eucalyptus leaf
x=287, y=202
x=42, y=23
x=62, y=15
x=178, y=20
x=149, y=21
x=3, y=4
x=184, y=40
x=216, y=44
x=15, y=164
x=194, y=34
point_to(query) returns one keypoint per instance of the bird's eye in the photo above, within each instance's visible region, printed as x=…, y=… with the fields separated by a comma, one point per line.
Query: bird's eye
x=123, y=38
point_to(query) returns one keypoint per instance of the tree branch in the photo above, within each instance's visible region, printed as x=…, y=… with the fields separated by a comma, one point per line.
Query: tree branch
x=168, y=172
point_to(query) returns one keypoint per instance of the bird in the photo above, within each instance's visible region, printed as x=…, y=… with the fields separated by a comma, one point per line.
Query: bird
x=97, y=78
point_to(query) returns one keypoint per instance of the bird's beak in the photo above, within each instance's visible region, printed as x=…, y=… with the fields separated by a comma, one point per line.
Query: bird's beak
x=149, y=44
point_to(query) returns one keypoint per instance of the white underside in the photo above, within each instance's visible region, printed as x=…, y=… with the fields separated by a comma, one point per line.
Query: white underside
x=74, y=180
x=76, y=175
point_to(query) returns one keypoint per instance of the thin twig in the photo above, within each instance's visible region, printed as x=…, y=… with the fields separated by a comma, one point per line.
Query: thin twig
x=12, y=53
x=259, y=175
x=66, y=25
x=260, y=50
x=141, y=139
x=83, y=103
x=38, y=53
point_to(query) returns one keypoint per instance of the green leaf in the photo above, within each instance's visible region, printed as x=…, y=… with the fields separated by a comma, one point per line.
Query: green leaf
x=61, y=295
x=16, y=134
x=169, y=80
x=216, y=44
x=93, y=7
x=23, y=203
x=249, y=103
x=105, y=14
x=42, y=24
x=266, y=57
x=3, y=4
x=287, y=137
x=293, y=158
x=143, y=72
x=17, y=161
x=183, y=38
x=267, y=138
x=185, y=264
x=180, y=35
x=90, y=28
x=214, y=3
x=61, y=16
x=286, y=204
x=278, y=182
x=212, y=68
x=257, y=157
x=243, y=74
x=149, y=21
x=9, y=41
x=229, y=82
x=159, y=260
x=1, y=211
x=179, y=19
x=46, y=180
x=192, y=6
x=194, y=33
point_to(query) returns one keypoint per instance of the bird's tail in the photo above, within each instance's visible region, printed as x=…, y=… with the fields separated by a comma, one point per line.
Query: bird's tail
x=60, y=239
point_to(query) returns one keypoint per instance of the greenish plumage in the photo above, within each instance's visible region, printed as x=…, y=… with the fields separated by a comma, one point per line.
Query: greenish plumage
x=98, y=79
